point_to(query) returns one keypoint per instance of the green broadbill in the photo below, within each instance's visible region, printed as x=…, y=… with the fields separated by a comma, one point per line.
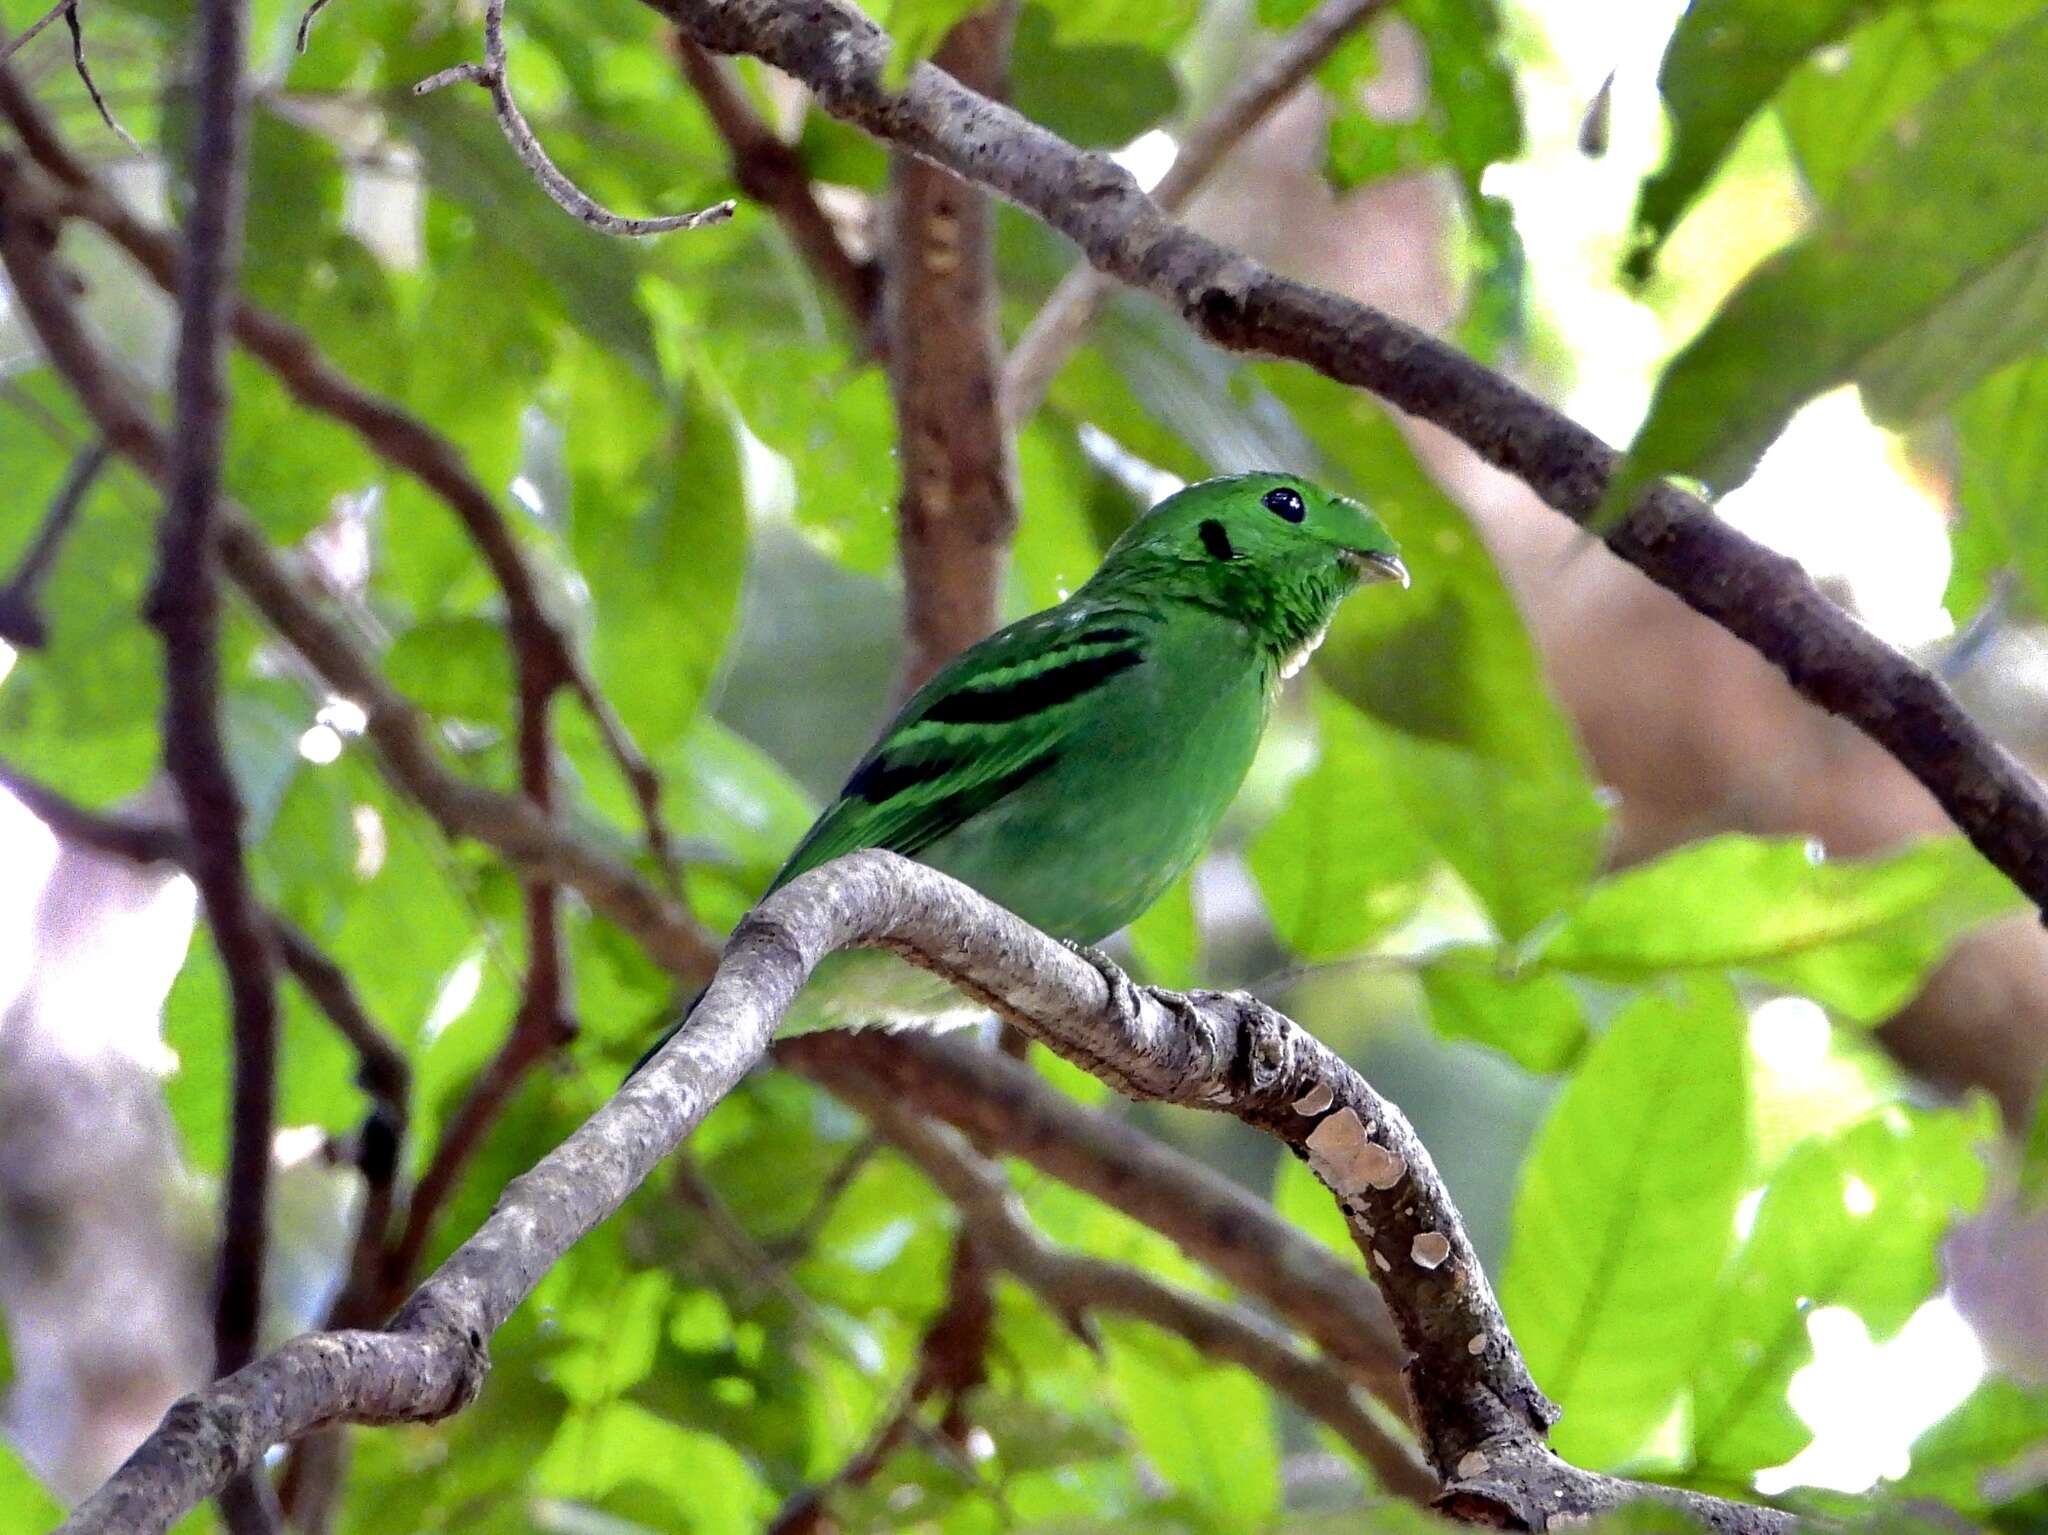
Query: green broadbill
x=1073, y=765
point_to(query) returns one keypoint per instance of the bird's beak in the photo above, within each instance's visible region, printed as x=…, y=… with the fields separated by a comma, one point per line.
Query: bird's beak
x=1371, y=565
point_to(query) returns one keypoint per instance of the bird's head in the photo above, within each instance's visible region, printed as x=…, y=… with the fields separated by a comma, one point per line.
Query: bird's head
x=1275, y=550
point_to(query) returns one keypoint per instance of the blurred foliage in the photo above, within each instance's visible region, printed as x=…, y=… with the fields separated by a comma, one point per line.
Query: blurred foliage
x=698, y=456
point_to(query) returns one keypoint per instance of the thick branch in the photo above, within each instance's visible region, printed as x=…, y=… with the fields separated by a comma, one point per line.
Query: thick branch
x=772, y=173
x=1482, y=1419
x=957, y=510
x=386, y=428
x=1762, y=598
x=1063, y=321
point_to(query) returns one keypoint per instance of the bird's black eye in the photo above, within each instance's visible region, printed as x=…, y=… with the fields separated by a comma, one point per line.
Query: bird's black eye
x=1285, y=502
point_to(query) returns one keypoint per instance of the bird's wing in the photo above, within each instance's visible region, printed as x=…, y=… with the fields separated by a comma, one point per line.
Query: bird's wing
x=986, y=725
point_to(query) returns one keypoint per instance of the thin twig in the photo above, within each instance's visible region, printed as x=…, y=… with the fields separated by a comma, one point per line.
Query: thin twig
x=1075, y=1286
x=388, y=430
x=306, y=23
x=21, y=618
x=23, y=38
x=78, y=64
x=956, y=513
x=491, y=75
x=1763, y=598
x=1063, y=320
x=773, y=174
x=798, y=1241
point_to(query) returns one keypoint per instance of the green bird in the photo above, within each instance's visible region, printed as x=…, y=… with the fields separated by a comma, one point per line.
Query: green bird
x=1073, y=765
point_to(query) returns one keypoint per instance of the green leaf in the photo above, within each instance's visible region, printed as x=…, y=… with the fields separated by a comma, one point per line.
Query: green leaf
x=2032, y=1179
x=1300, y=1198
x=705, y=1481
x=1536, y=1020
x=1625, y=1214
x=1854, y=1220
x=1840, y=103
x=664, y=567
x=1726, y=58
x=1341, y=864
x=1167, y=938
x=2002, y=475
x=1207, y=1431
x=1999, y=1423
x=1486, y=762
x=1929, y=214
x=458, y=668
x=1858, y=936
x=26, y=1507
x=1059, y=84
x=591, y=276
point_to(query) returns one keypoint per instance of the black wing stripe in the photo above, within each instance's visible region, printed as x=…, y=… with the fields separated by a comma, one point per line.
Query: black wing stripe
x=880, y=779
x=1005, y=703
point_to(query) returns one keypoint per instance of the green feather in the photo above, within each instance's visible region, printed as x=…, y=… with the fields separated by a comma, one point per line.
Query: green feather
x=1072, y=766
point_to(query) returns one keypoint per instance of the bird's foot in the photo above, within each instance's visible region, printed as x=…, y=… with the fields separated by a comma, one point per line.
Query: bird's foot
x=1124, y=994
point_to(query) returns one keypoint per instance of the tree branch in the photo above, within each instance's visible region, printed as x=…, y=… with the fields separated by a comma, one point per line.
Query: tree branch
x=21, y=618
x=957, y=510
x=1076, y=1286
x=773, y=174
x=387, y=429
x=572, y=199
x=1063, y=321
x=1761, y=597
x=1482, y=1419
x=403, y=737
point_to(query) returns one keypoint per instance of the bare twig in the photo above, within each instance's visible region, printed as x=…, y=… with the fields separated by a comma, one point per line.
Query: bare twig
x=388, y=430
x=1076, y=1285
x=306, y=17
x=1067, y=313
x=78, y=64
x=798, y=1241
x=1761, y=597
x=491, y=75
x=772, y=173
x=1482, y=1420
x=957, y=511
x=21, y=617
x=27, y=34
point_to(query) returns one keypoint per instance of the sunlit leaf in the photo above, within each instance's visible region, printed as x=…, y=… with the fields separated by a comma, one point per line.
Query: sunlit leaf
x=1926, y=216
x=1625, y=1214
x=1854, y=1221
x=1537, y=1020
x=1207, y=1430
x=1856, y=935
x=1341, y=863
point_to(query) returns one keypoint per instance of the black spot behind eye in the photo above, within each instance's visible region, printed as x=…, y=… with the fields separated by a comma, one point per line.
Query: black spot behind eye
x=1216, y=540
x=1285, y=502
